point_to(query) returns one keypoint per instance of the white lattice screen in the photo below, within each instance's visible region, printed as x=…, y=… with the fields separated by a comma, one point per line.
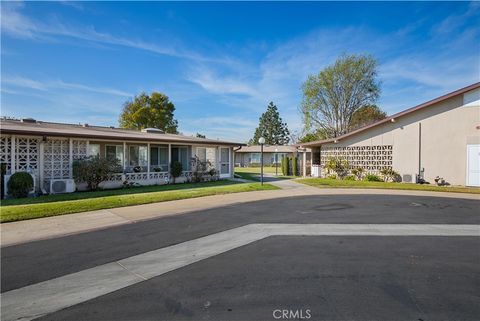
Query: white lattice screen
x=6, y=151
x=56, y=159
x=79, y=149
x=370, y=158
x=27, y=154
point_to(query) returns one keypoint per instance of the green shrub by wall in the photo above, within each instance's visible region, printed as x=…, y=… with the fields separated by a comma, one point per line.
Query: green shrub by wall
x=294, y=166
x=20, y=184
x=285, y=166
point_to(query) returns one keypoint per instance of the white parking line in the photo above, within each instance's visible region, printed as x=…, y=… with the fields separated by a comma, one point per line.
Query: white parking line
x=39, y=299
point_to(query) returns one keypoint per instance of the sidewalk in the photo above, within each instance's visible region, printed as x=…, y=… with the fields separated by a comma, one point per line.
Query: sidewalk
x=55, y=226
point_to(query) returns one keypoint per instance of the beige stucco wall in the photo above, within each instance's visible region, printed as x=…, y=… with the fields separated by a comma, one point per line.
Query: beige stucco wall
x=446, y=129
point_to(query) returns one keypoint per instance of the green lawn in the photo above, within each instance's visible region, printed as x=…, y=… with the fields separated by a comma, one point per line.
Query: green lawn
x=252, y=173
x=338, y=183
x=28, y=208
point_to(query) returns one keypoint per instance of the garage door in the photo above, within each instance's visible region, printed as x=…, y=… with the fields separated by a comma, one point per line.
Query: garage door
x=473, y=165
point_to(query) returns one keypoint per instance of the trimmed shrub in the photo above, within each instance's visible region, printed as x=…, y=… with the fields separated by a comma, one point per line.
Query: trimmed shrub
x=95, y=169
x=20, y=184
x=337, y=165
x=358, y=172
x=176, y=170
x=373, y=178
x=294, y=166
x=285, y=166
x=332, y=176
x=389, y=175
x=349, y=178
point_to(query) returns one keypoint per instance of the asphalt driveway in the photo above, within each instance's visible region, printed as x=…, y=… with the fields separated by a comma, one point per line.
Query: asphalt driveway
x=337, y=278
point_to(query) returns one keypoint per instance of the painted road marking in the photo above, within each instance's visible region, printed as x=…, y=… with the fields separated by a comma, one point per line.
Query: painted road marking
x=39, y=299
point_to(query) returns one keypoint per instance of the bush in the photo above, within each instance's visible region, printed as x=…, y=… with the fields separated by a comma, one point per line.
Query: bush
x=254, y=165
x=176, y=170
x=285, y=166
x=332, y=176
x=358, y=172
x=389, y=175
x=95, y=169
x=349, y=178
x=294, y=166
x=373, y=178
x=338, y=165
x=20, y=184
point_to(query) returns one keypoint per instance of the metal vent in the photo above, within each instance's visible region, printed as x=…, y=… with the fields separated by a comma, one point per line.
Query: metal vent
x=28, y=120
x=153, y=130
x=407, y=178
x=59, y=186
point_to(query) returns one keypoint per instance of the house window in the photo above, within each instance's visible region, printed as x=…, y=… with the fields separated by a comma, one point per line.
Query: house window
x=278, y=160
x=180, y=154
x=159, y=157
x=94, y=150
x=137, y=155
x=255, y=158
x=202, y=153
x=114, y=152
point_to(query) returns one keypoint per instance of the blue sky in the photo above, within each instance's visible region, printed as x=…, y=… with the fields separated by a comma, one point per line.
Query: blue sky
x=221, y=63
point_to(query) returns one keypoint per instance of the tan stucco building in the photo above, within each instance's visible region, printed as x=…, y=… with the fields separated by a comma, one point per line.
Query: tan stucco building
x=438, y=138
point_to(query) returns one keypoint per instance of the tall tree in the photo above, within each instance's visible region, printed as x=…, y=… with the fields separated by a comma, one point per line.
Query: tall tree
x=271, y=127
x=366, y=115
x=145, y=111
x=331, y=97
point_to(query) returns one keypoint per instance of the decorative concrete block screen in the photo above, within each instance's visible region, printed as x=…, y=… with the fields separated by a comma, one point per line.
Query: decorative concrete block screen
x=79, y=149
x=27, y=154
x=370, y=158
x=56, y=160
x=5, y=151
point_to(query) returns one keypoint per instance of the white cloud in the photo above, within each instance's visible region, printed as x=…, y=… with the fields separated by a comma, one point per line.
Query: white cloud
x=15, y=24
x=48, y=84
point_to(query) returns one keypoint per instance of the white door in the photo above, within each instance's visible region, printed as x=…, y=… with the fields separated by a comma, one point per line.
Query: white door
x=473, y=165
x=224, y=162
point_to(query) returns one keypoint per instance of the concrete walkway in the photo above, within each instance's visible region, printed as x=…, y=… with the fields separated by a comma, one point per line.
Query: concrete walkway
x=39, y=299
x=55, y=226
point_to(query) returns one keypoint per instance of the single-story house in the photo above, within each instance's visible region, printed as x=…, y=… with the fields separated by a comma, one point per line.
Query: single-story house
x=440, y=137
x=47, y=150
x=250, y=156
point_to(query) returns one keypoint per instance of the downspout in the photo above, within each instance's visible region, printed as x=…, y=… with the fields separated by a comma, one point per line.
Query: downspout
x=419, y=152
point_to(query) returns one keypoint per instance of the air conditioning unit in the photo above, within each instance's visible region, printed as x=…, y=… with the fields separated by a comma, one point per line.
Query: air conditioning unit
x=59, y=186
x=5, y=185
x=409, y=178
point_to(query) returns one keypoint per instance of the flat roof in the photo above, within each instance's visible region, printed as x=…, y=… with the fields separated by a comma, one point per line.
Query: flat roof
x=400, y=114
x=41, y=128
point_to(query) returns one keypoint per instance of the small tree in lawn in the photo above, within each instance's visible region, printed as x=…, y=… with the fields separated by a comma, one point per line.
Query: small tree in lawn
x=176, y=170
x=94, y=169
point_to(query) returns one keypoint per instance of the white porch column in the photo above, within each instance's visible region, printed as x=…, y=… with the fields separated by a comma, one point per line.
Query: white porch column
x=70, y=157
x=148, y=159
x=124, y=156
x=88, y=148
x=13, y=154
x=304, y=164
x=169, y=157
x=41, y=165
